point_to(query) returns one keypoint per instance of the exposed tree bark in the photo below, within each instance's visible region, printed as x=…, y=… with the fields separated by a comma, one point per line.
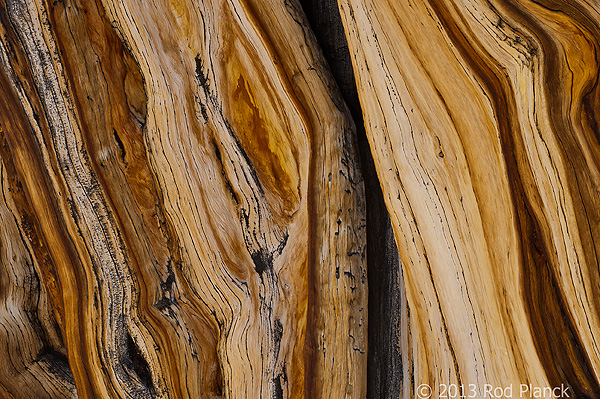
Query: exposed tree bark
x=183, y=212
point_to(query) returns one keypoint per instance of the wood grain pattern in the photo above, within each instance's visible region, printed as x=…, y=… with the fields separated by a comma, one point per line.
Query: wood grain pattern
x=183, y=212
x=193, y=182
x=482, y=117
x=387, y=302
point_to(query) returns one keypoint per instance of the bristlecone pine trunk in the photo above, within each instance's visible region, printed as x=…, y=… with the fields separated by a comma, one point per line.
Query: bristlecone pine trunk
x=194, y=193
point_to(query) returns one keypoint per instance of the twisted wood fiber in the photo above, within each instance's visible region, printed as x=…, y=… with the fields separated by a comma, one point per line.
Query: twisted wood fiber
x=192, y=183
x=482, y=118
x=183, y=212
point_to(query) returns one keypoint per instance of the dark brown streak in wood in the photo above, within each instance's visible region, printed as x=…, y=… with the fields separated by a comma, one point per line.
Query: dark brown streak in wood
x=494, y=87
x=537, y=276
x=555, y=336
x=572, y=364
x=580, y=172
x=20, y=145
x=149, y=235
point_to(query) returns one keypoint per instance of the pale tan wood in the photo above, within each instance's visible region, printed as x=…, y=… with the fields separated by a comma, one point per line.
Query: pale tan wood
x=482, y=118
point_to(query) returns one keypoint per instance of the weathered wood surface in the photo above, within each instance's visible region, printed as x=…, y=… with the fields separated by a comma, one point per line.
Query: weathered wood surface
x=182, y=208
x=483, y=121
x=387, y=302
x=187, y=213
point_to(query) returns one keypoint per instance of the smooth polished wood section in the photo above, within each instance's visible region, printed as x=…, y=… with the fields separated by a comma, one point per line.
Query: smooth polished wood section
x=183, y=213
x=482, y=117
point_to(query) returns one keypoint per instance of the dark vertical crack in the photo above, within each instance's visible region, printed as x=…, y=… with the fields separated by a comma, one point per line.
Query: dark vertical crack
x=120, y=145
x=384, y=361
x=133, y=360
x=232, y=192
x=281, y=377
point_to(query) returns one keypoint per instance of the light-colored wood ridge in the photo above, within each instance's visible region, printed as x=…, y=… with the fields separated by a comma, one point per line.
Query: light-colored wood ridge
x=189, y=216
x=483, y=121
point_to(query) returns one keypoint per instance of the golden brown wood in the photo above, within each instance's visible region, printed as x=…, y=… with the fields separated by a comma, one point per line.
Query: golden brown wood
x=191, y=177
x=183, y=216
x=482, y=117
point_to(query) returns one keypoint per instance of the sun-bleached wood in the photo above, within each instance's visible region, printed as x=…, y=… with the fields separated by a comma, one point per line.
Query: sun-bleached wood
x=189, y=176
x=183, y=213
x=482, y=117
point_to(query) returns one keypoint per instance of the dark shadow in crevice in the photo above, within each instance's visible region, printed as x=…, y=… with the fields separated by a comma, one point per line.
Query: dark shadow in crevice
x=58, y=364
x=384, y=369
x=134, y=361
